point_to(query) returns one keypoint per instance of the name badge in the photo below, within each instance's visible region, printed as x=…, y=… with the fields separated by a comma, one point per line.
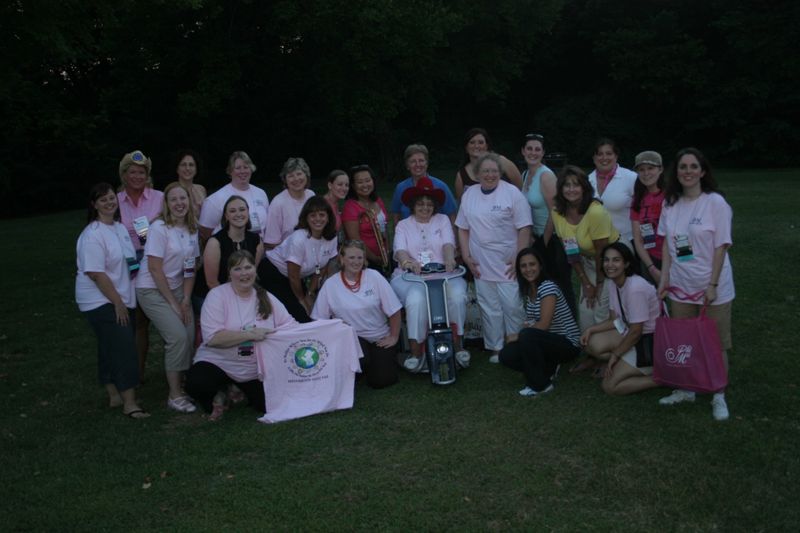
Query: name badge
x=133, y=266
x=648, y=235
x=684, y=248
x=255, y=222
x=140, y=226
x=621, y=326
x=188, y=267
x=572, y=250
x=246, y=348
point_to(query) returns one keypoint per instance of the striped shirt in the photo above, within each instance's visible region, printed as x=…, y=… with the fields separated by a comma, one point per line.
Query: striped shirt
x=563, y=322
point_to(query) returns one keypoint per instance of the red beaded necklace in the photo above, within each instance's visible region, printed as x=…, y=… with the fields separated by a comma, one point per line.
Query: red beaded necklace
x=354, y=287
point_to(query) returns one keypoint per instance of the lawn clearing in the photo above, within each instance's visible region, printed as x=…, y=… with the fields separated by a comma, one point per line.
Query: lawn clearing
x=473, y=456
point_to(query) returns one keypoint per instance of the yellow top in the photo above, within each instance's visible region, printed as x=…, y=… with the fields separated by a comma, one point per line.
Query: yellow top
x=595, y=224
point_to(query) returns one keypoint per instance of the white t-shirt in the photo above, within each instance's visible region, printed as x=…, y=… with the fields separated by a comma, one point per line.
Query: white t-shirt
x=284, y=212
x=707, y=222
x=257, y=202
x=617, y=199
x=173, y=245
x=302, y=249
x=639, y=299
x=493, y=221
x=104, y=248
x=423, y=241
x=224, y=310
x=366, y=310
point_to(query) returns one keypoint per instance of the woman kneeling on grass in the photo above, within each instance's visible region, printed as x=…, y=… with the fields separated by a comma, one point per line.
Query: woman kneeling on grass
x=236, y=317
x=633, y=307
x=550, y=335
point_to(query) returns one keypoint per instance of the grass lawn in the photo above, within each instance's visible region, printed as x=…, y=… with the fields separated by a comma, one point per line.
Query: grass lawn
x=473, y=456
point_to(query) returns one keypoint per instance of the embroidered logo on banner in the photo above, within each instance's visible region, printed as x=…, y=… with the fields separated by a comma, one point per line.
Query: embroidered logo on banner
x=306, y=358
x=680, y=357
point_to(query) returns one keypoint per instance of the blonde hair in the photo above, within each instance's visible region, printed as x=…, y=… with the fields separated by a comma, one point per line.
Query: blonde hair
x=166, y=216
x=127, y=162
x=239, y=154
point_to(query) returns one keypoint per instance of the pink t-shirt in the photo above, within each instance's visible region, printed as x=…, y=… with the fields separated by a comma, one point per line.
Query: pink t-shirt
x=173, y=245
x=493, y=221
x=308, y=369
x=366, y=310
x=707, y=222
x=150, y=204
x=423, y=241
x=352, y=211
x=639, y=299
x=103, y=248
x=302, y=249
x=617, y=198
x=224, y=310
x=284, y=212
x=257, y=203
x=650, y=213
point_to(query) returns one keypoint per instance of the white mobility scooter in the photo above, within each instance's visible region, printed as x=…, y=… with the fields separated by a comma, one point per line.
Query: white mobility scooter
x=440, y=355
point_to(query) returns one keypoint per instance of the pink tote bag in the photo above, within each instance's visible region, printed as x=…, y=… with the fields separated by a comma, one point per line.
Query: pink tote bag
x=687, y=353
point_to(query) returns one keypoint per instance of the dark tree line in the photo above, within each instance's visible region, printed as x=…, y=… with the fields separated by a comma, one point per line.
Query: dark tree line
x=340, y=82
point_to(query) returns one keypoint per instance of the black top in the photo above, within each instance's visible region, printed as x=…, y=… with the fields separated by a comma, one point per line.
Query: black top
x=226, y=248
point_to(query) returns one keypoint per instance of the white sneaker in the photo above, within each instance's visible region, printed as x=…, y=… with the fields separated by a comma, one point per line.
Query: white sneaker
x=677, y=396
x=719, y=408
x=414, y=364
x=182, y=404
x=527, y=391
x=463, y=357
x=494, y=358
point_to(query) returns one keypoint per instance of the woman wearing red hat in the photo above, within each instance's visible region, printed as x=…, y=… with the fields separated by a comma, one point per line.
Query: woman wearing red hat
x=426, y=237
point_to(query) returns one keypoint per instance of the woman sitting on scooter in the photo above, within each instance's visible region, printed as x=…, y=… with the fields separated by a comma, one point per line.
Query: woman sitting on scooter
x=549, y=336
x=427, y=237
x=363, y=299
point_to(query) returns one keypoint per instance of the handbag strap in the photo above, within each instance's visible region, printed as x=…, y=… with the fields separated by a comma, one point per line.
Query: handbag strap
x=680, y=293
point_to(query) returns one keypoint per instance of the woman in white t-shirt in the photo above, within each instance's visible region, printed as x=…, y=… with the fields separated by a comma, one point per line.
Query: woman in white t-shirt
x=427, y=237
x=696, y=226
x=294, y=271
x=613, y=185
x=236, y=317
x=494, y=223
x=240, y=169
x=164, y=287
x=105, y=294
x=363, y=299
x=284, y=210
x=625, y=340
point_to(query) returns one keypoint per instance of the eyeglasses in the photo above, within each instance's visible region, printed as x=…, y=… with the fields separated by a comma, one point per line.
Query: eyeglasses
x=534, y=137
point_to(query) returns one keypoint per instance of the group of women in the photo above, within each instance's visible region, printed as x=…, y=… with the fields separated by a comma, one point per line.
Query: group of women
x=519, y=235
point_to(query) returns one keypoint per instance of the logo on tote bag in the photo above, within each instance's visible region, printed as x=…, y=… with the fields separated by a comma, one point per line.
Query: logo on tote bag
x=684, y=353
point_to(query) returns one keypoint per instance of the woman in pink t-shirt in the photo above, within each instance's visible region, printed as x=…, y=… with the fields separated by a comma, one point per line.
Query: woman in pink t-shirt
x=696, y=226
x=364, y=300
x=236, y=317
x=625, y=340
x=284, y=210
x=648, y=197
x=105, y=294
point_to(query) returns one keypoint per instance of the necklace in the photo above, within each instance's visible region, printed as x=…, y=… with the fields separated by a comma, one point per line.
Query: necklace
x=355, y=286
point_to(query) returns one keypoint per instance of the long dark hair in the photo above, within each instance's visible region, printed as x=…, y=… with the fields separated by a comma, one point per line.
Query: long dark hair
x=468, y=136
x=524, y=284
x=198, y=162
x=224, y=224
x=586, y=188
x=312, y=205
x=264, y=307
x=99, y=190
x=674, y=189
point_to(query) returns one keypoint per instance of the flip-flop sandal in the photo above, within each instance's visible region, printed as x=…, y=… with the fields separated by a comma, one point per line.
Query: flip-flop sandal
x=137, y=414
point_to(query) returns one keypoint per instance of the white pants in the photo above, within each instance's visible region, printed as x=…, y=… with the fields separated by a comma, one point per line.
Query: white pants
x=590, y=316
x=412, y=294
x=501, y=311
